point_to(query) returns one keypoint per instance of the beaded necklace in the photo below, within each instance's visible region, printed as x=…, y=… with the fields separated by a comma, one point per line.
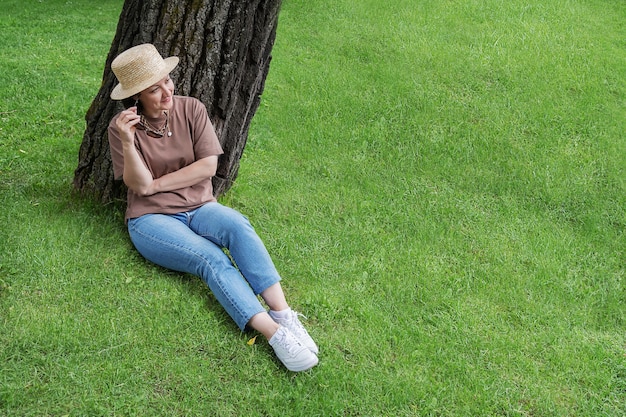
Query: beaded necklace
x=154, y=132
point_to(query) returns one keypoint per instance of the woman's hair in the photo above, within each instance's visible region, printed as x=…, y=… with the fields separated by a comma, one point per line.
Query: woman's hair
x=130, y=102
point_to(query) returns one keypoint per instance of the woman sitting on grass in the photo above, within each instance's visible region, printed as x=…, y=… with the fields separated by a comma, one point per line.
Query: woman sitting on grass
x=165, y=149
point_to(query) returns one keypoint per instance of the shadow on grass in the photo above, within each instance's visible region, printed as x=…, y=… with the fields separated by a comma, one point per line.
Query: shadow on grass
x=48, y=223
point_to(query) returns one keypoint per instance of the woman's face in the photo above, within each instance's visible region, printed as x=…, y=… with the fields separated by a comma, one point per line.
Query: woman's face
x=157, y=97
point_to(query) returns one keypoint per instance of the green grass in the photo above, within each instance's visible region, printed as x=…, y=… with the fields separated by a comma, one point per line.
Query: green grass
x=441, y=184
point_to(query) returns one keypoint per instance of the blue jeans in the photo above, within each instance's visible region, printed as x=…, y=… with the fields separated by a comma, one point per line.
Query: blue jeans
x=193, y=242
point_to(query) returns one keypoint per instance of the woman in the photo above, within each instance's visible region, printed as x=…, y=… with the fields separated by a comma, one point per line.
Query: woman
x=165, y=149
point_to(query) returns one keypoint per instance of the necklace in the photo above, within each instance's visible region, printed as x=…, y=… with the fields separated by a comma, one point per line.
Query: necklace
x=153, y=131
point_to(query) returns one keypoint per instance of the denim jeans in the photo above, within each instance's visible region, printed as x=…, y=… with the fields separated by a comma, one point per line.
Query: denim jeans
x=193, y=242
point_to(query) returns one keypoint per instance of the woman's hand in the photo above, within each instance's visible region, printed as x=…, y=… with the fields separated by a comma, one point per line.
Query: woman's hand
x=126, y=124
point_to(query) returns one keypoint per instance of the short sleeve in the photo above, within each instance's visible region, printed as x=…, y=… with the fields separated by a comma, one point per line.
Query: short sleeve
x=115, y=146
x=205, y=141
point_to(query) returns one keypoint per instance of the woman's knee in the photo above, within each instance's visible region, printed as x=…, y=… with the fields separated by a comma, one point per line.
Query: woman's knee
x=226, y=215
x=221, y=224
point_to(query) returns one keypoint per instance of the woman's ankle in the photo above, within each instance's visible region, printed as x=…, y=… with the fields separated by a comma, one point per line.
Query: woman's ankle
x=264, y=324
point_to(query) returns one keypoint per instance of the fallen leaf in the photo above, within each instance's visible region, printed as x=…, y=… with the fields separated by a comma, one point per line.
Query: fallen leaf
x=252, y=341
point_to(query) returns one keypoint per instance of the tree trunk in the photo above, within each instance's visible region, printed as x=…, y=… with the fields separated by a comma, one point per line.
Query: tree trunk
x=224, y=48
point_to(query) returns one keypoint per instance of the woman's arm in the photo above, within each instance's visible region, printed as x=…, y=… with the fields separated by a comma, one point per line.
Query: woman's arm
x=139, y=179
x=136, y=176
x=192, y=174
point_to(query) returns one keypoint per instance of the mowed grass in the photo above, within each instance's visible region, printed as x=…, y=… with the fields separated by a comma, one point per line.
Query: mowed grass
x=441, y=184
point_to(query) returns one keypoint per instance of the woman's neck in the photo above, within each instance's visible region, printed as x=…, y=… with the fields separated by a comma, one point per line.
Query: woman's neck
x=154, y=115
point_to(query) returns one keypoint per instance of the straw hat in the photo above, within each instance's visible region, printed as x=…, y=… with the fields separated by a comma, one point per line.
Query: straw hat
x=138, y=68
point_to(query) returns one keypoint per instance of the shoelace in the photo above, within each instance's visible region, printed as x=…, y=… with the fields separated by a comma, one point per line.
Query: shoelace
x=292, y=346
x=294, y=320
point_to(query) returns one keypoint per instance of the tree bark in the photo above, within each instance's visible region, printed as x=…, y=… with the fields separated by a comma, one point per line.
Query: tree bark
x=224, y=48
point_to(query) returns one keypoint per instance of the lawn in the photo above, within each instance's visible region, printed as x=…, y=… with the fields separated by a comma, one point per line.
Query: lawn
x=441, y=184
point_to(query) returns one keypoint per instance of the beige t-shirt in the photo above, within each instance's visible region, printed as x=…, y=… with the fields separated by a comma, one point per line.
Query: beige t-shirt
x=193, y=137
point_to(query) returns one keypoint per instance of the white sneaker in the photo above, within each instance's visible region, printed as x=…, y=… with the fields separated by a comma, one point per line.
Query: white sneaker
x=291, y=352
x=293, y=323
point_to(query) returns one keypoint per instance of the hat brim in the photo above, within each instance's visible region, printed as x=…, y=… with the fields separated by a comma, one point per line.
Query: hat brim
x=120, y=93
